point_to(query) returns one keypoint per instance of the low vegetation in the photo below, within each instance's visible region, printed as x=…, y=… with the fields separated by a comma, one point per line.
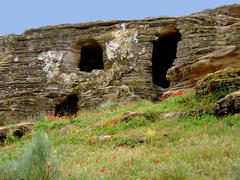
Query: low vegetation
x=178, y=138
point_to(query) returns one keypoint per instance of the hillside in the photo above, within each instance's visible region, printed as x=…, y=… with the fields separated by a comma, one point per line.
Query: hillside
x=171, y=139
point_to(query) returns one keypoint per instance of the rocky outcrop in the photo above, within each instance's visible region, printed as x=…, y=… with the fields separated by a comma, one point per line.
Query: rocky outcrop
x=228, y=105
x=210, y=42
x=224, y=86
x=221, y=82
x=74, y=66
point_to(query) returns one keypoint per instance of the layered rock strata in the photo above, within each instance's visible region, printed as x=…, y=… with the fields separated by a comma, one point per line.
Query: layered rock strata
x=60, y=69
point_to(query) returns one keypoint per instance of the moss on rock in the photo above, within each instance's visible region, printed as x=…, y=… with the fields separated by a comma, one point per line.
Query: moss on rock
x=219, y=83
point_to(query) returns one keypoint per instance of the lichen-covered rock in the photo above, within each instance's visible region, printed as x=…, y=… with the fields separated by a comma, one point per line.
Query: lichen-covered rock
x=85, y=64
x=230, y=104
x=124, y=45
x=222, y=81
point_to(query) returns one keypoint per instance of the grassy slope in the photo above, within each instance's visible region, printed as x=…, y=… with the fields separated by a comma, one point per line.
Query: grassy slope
x=148, y=147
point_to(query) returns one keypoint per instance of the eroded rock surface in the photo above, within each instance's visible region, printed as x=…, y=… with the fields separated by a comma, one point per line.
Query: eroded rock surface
x=99, y=61
x=228, y=105
x=223, y=81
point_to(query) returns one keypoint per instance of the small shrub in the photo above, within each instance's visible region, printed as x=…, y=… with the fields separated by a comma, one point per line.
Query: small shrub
x=36, y=162
x=9, y=170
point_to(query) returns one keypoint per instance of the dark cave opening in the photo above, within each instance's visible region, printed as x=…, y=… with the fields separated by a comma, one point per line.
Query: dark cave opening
x=68, y=107
x=3, y=137
x=18, y=133
x=164, y=53
x=91, y=58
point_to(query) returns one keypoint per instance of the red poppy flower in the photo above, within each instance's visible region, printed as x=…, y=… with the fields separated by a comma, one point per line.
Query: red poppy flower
x=178, y=93
x=103, y=170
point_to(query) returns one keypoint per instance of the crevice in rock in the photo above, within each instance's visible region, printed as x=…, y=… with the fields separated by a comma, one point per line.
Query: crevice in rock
x=91, y=57
x=3, y=137
x=68, y=107
x=164, y=53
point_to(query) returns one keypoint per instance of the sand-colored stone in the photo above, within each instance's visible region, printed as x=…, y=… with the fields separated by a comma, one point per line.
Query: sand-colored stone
x=39, y=68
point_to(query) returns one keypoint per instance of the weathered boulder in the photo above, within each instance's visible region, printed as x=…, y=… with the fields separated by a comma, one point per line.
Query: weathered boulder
x=60, y=69
x=224, y=85
x=223, y=81
x=230, y=104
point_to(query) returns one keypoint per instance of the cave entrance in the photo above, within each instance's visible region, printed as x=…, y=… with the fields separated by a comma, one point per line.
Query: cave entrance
x=164, y=53
x=68, y=107
x=91, y=58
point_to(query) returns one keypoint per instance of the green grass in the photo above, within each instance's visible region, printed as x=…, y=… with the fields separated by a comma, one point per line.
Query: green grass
x=146, y=147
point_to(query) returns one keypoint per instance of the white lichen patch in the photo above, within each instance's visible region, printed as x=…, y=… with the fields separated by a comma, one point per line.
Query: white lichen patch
x=52, y=67
x=16, y=59
x=52, y=61
x=125, y=44
x=67, y=78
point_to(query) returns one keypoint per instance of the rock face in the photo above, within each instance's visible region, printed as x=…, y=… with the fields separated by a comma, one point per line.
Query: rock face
x=60, y=69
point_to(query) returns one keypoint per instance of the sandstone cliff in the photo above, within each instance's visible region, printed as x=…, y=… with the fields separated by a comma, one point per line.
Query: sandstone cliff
x=60, y=69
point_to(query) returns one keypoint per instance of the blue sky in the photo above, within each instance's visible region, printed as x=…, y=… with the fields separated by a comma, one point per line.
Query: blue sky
x=19, y=15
